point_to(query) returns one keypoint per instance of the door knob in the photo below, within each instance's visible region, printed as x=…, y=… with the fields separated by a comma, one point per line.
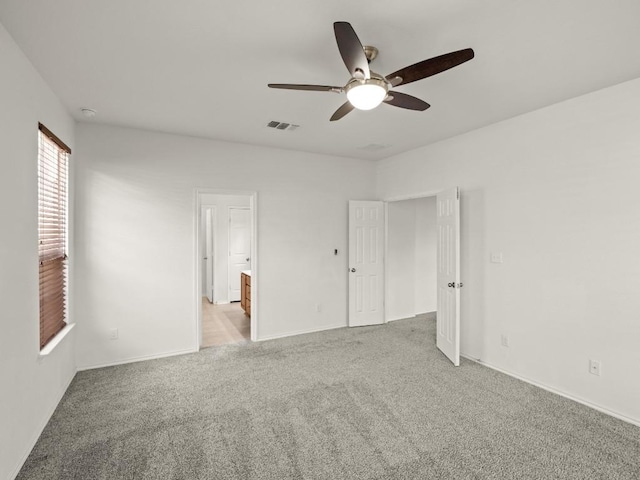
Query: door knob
x=246, y=259
x=205, y=258
x=353, y=270
x=451, y=284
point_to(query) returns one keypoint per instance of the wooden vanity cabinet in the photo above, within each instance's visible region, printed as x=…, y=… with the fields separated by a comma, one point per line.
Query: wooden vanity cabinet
x=245, y=293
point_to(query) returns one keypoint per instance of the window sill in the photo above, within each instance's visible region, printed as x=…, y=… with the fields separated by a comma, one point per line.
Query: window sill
x=49, y=347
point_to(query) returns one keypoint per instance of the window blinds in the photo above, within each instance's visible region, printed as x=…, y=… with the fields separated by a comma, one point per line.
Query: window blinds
x=53, y=158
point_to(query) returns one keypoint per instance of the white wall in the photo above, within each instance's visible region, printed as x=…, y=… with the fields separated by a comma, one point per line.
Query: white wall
x=31, y=386
x=135, y=224
x=222, y=203
x=411, y=258
x=556, y=191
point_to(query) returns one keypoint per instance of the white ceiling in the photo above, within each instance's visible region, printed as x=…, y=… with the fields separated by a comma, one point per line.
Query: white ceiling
x=201, y=67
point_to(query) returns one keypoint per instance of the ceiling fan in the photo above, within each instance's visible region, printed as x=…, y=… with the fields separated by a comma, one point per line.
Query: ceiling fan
x=367, y=89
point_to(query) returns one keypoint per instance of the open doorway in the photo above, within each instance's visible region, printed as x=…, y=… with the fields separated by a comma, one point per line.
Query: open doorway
x=226, y=285
x=412, y=243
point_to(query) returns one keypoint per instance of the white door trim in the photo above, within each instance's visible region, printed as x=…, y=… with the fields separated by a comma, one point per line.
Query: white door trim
x=196, y=255
x=385, y=261
x=413, y=196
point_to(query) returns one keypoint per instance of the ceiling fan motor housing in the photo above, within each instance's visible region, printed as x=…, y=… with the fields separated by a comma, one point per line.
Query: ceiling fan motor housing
x=370, y=52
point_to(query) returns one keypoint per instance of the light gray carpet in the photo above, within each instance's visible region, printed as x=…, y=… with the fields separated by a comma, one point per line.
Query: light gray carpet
x=367, y=403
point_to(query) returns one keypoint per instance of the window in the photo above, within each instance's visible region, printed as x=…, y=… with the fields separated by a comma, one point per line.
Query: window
x=53, y=158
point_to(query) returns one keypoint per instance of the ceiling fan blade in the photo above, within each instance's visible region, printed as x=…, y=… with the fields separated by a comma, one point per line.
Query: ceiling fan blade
x=314, y=88
x=351, y=50
x=403, y=100
x=429, y=67
x=342, y=111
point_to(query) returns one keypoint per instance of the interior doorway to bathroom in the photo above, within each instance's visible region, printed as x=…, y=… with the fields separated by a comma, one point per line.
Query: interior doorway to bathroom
x=226, y=286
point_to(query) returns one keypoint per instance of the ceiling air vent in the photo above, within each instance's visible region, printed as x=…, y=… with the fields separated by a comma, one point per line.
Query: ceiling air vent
x=282, y=125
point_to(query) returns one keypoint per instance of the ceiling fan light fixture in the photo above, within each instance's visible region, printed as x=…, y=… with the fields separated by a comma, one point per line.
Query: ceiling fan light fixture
x=367, y=94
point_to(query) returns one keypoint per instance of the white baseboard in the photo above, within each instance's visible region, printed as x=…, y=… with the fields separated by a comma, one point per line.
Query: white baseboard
x=138, y=359
x=395, y=319
x=300, y=332
x=586, y=403
x=43, y=423
x=409, y=318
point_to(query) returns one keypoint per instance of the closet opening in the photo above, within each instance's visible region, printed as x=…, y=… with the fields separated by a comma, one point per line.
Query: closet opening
x=411, y=260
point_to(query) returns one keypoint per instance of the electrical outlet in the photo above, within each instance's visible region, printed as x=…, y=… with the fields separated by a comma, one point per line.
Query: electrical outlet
x=594, y=367
x=504, y=340
x=113, y=334
x=496, y=257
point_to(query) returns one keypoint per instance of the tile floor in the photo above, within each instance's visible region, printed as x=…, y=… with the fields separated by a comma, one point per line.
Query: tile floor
x=224, y=324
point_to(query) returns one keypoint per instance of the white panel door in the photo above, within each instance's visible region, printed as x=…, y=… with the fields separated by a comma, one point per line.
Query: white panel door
x=448, y=316
x=208, y=249
x=239, y=248
x=366, y=265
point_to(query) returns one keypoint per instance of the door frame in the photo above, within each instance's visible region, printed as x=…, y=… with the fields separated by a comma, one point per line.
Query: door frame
x=197, y=251
x=386, y=237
